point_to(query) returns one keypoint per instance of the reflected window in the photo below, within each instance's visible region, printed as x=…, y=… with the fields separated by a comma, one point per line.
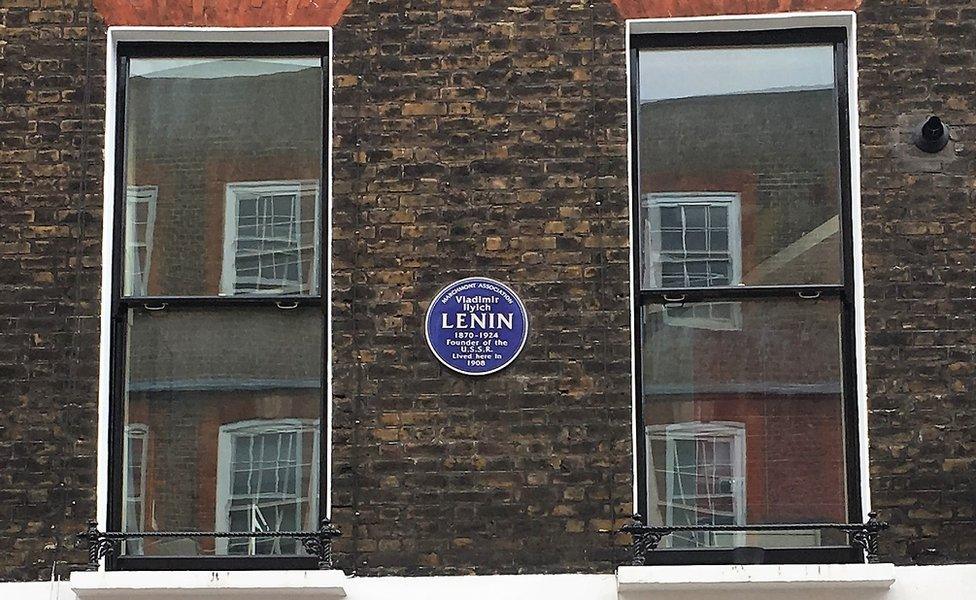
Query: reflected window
x=691, y=240
x=269, y=246
x=219, y=337
x=140, y=219
x=745, y=308
x=134, y=486
x=269, y=471
x=704, y=479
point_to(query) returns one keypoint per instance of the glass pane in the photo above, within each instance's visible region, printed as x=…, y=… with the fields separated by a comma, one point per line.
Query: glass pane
x=233, y=149
x=743, y=415
x=232, y=402
x=744, y=139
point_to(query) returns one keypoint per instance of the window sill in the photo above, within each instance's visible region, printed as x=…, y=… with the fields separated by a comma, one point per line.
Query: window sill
x=170, y=585
x=755, y=577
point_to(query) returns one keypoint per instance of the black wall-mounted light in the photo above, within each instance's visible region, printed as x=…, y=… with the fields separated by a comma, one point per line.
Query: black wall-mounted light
x=932, y=135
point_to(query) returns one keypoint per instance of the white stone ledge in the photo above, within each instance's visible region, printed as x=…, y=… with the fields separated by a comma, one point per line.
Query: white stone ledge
x=755, y=577
x=170, y=585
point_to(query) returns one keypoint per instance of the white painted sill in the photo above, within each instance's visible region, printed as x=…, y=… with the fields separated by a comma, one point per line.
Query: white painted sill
x=755, y=577
x=170, y=585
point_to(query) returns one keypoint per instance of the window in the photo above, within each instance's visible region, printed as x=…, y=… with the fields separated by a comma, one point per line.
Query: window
x=266, y=482
x=140, y=215
x=745, y=303
x=134, y=486
x=269, y=241
x=704, y=474
x=218, y=394
x=692, y=240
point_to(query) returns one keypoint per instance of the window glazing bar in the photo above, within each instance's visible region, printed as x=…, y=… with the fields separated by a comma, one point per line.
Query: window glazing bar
x=706, y=294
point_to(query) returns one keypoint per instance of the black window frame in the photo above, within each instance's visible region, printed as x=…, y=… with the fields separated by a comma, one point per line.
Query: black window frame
x=844, y=292
x=121, y=304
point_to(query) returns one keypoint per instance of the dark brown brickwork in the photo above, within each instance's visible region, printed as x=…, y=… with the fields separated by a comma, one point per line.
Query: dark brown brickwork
x=919, y=58
x=50, y=237
x=479, y=138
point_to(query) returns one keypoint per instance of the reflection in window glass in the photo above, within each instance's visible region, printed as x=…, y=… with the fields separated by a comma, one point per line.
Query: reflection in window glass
x=767, y=394
x=757, y=123
x=704, y=474
x=690, y=240
x=233, y=147
x=134, y=484
x=269, y=235
x=270, y=469
x=140, y=221
x=233, y=397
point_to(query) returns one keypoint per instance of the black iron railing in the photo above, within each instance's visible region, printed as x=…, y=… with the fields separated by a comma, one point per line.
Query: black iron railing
x=646, y=538
x=103, y=544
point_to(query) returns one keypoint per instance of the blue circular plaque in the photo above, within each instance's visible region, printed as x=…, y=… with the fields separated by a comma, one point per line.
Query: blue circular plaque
x=476, y=326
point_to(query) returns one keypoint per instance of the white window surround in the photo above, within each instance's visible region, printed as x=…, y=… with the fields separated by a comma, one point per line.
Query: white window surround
x=121, y=34
x=761, y=22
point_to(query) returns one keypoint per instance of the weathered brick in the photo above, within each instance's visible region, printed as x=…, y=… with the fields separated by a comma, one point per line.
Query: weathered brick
x=480, y=139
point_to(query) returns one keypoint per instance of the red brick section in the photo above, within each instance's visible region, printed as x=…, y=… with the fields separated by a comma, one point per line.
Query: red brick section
x=634, y=9
x=223, y=13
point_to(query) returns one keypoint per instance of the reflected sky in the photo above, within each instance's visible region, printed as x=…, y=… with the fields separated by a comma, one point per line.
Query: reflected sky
x=687, y=73
x=213, y=68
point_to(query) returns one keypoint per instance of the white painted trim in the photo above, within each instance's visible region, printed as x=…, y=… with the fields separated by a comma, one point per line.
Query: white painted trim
x=184, y=34
x=328, y=297
x=840, y=19
x=862, y=582
x=755, y=578
x=172, y=585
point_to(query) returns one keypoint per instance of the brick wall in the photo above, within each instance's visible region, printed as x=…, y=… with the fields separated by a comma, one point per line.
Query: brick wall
x=474, y=138
x=481, y=139
x=919, y=58
x=50, y=235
